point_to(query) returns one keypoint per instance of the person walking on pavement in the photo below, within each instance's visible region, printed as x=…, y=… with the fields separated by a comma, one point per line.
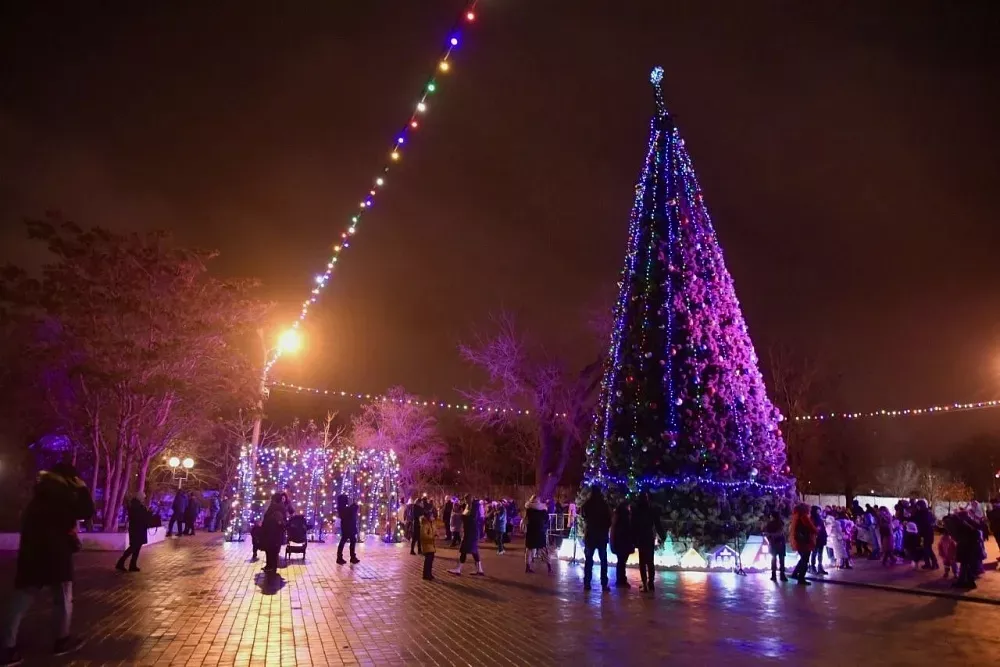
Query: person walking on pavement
x=500, y=527
x=774, y=531
x=191, y=514
x=926, y=523
x=993, y=521
x=416, y=511
x=348, y=528
x=427, y=546
x=646, y=527
x=536, y=517
x=803, y=534
x=449, y=507
x=622, y=544
x=597, y=521
x=472, y=522
x=456, y=524
x=45, y=556
x=272, y=528
x=139, y=521
x=214, y=509
x=178, y=513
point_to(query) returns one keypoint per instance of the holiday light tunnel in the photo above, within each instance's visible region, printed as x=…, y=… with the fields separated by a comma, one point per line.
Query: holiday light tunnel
x=313, y=478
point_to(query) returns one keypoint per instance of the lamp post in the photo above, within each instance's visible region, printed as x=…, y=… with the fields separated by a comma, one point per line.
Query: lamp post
x=289, y=341
x=179, y=468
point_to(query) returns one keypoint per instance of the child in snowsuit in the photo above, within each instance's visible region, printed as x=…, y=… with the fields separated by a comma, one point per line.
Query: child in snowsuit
x=948, y=551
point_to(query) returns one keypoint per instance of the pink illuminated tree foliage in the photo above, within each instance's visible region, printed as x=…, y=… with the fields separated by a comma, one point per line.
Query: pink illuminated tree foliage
x=683, y=411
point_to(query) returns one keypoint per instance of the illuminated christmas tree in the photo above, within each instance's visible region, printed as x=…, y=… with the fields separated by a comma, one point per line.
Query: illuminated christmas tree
x=683, y=411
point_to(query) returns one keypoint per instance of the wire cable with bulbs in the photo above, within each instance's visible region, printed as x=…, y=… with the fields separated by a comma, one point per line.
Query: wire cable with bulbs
x=465, y=407
x=443, y=66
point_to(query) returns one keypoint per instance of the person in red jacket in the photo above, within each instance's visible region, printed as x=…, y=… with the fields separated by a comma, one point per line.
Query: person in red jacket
x=803, y=534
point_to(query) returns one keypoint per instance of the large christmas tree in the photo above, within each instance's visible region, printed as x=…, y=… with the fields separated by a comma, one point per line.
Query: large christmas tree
x=683, y=411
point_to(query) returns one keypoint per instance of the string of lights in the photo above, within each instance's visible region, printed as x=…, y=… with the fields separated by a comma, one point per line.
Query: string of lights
x=313, y=477
x=394, y=155
x=464, y=407
x=907, y=412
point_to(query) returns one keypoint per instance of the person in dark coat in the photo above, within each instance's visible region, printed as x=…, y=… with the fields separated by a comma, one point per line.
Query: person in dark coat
x=646, y=527
x=622, y=544
x=45, y=555
x=191, y=513
x=178, y=513
x=500, y=526
x=449, y=507
x=214, y=509
x=416, y=511
x=993, y=520
x=926, y=522
x=348, y=513
x=597, y=521
x=272, y=528
x=536, y=517
x=819, y=550
x=139, y=520
x=774, y=531
x=472, y=524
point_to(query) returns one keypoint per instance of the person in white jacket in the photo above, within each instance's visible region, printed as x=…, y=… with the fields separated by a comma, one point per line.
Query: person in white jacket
x=835, y=538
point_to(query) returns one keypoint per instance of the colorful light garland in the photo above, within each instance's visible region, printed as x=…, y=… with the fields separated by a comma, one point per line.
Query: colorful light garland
x=462, y=407
x=313, y=477
x=442, y=67
x=908, y=412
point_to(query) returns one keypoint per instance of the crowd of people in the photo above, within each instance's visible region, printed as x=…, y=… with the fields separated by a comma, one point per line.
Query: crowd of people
x=905, y=534
x=187, y=507
x=469, y=521
x=822, y=537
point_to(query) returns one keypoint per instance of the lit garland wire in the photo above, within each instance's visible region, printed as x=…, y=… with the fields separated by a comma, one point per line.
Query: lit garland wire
x=463, y=407
x=442, y=66
x=908, y=412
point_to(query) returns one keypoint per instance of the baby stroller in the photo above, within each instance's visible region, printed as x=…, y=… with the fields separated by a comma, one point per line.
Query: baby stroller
x=297, y=540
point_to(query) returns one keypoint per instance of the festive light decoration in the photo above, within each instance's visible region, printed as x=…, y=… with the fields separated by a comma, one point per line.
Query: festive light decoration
x=395, y=154
x=692, y=560
x=464, y=407
x=371, y=478
x=907, y=412
x=683, y=410
x=313, y=478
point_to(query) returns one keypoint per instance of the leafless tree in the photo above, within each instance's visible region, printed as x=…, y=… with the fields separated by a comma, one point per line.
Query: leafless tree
x=400, y=423
x=530, y=388
x=901, y=479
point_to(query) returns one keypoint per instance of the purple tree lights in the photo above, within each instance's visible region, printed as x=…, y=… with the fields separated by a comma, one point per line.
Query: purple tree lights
x=683, y=410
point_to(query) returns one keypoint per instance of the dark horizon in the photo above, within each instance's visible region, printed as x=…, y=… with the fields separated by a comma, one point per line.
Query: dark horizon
x=848, y=158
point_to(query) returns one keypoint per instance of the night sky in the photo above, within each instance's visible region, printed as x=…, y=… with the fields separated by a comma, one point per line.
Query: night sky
x=848, y=154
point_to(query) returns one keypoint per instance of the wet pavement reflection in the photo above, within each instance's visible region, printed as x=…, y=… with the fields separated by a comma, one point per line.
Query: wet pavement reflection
x=201, y=602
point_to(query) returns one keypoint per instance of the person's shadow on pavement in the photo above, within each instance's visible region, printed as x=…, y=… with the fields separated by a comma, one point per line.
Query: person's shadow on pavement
x=269, y=583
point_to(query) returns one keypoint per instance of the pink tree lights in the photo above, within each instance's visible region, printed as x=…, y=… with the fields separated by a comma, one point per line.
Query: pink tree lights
x=683, y=410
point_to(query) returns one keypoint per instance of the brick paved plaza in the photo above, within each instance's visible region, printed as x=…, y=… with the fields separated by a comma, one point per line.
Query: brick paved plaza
x=200, y=602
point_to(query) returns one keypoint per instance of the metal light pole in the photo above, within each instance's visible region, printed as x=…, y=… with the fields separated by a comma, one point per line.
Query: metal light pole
x=255, y=437
x=288, y=341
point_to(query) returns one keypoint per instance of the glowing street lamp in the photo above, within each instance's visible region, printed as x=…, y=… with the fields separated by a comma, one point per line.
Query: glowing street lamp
x=179, y=468
x=290, y=341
